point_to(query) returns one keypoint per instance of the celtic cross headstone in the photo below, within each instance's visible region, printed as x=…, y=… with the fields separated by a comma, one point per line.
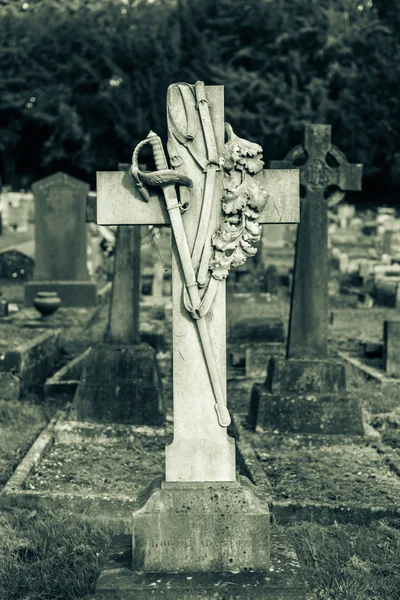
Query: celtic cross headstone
x=325, y=176
x=306, y=391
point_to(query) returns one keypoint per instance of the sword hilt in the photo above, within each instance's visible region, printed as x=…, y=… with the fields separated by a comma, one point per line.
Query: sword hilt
x=158, y=151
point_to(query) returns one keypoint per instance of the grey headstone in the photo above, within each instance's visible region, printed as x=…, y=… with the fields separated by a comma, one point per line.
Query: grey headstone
x=391, y=338
x=60, y=235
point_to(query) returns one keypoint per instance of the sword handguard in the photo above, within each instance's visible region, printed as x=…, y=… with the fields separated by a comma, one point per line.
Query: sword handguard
x=163, y=175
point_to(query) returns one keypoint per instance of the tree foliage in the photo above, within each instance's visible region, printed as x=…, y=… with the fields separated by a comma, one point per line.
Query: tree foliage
x=83, y=81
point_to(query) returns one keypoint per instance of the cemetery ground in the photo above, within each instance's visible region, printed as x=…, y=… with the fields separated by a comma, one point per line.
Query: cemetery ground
x=55, y=550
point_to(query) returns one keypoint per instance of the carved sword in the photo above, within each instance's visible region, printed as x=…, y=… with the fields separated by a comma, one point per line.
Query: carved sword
x=174, y=210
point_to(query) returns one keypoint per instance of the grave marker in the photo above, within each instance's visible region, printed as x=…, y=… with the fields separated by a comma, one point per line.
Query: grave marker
x=209, y=455
x=391, y=353
x=325, y=176
x=60, y=237
x=120, y=381
x=200, y=518
x=298, y=394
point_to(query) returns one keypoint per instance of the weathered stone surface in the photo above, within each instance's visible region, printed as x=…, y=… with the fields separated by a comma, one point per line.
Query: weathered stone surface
x=391, y=337
x=385, y=292
x=123, y=320
x=271, y=280
x=15, y=264
x=283, y=581
x=9, y=386
x=256, y=329
x=60, y=239
x=257, y=358
x=120, y=383
x=33, y=360
x=305, y=413
x=308, y=326
x=306, y=376
x=201, y=449
x=200, y=527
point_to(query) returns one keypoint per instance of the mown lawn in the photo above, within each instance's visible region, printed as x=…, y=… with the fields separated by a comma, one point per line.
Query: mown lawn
x=46, y=555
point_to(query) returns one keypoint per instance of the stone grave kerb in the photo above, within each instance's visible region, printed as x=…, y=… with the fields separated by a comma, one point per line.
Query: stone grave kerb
x=60, y=241
x=325, y=176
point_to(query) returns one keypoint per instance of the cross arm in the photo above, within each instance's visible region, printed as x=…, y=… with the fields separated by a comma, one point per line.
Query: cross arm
x=120, y=203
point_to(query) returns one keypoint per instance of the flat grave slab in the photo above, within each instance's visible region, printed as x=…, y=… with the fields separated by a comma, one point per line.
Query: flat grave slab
x=321, y=478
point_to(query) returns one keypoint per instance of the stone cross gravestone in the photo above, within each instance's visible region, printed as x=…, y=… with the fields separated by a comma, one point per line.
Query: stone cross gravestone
x=307, y=393
x=324, y=176
x=120, y=381
x=199, y=518
x=198, y=435
x=60, y=238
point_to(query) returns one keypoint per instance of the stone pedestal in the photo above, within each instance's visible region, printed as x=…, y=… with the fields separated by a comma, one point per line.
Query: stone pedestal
x=200, y=527
x=120, y=384
x=305, y=396
x=282, y=581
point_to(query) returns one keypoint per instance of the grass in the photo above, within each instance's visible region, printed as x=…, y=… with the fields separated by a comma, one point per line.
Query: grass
x=49, y=556
x=58, y=556
x=20, y=423
x=347, y=562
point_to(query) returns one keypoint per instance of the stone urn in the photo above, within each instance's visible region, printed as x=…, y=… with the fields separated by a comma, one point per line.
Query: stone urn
x=46, y=303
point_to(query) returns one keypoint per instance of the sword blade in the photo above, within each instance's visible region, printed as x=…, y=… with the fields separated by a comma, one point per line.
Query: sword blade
x=189, y=275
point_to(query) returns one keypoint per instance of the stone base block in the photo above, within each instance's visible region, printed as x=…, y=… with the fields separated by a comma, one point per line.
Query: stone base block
x=283, y=581
x=313, y=414
x=305, y=396
x=305, y=376
x=72, y=293
x=120, y=384
x=200, y=527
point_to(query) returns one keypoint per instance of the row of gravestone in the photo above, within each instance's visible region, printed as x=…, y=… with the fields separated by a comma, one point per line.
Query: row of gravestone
x=309, y=371
x=200, y=518
x=57, y=260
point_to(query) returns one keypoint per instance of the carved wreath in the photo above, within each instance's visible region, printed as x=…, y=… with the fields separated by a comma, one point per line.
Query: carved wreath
x=242, y=202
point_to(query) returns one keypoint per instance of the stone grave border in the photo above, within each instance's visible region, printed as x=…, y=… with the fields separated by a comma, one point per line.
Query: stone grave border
x=33, y=360
x=286, y=511
x=355, y=366
x=115, y=509
x=63, y=384
x=119, y=508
